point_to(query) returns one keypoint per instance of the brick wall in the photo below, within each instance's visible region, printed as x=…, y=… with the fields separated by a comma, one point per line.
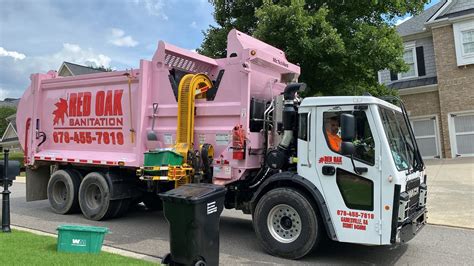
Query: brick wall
x=422, y=104
x=455, y=84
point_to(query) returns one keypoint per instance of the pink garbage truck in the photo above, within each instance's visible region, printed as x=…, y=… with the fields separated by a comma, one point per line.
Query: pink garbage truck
x=99, y=143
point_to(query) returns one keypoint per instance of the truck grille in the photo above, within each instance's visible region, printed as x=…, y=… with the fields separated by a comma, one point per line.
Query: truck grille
x=413, y=190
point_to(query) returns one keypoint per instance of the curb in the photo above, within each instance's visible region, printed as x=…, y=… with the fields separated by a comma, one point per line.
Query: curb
x=452, y=226
x=20, y=179
x=106, y=248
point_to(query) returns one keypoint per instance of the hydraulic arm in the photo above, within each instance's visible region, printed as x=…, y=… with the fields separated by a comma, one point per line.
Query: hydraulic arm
x=192, y=86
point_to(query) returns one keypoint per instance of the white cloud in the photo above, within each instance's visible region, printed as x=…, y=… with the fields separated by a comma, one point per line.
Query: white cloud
x=154, y=7
x=118, y=38
x=193, y=25
x=71, y=53
x=13, y=54
x=4, y=93
x=401, y=20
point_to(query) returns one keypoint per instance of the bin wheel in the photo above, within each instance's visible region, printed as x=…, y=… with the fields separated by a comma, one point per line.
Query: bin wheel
x=63, y=189
x=94, y=198
x=200, y=262
x=286, y=223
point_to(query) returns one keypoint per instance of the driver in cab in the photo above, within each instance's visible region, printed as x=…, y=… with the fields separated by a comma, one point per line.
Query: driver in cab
x=332, y=128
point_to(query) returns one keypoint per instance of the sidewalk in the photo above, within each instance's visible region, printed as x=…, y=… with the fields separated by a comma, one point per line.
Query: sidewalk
x=451, y=192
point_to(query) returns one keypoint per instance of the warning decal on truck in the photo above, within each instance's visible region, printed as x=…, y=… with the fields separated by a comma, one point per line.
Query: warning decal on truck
x=81, y=112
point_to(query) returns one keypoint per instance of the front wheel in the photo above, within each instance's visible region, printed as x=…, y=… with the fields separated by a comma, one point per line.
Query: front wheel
x=286, y=223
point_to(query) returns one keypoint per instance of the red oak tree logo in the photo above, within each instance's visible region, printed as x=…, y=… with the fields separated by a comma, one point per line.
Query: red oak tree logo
x=61, y=110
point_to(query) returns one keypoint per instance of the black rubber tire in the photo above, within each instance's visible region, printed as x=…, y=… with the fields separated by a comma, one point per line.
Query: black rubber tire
x=63, y=189
x=122, y=208
x=94, y=198
x=152, y=202
x=310, y=234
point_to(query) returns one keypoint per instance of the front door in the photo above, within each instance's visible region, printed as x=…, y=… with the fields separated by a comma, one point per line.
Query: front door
x=351, y=187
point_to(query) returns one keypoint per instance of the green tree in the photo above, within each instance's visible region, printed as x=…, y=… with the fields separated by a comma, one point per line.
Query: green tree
x=101, y=67
x=340, y=45
x=5, y=112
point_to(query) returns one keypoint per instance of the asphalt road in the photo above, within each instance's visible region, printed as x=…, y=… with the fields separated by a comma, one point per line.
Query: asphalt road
x=147, y=232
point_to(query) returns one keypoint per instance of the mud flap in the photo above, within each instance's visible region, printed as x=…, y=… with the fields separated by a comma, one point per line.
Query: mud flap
x=37, y=183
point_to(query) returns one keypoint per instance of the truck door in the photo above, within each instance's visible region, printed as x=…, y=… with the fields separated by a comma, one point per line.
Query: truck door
x=351, y=187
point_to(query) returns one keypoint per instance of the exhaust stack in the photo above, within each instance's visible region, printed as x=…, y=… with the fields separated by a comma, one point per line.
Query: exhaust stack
x=278, y=158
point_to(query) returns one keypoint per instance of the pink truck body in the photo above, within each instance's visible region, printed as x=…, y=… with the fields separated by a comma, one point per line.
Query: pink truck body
x=97, y=119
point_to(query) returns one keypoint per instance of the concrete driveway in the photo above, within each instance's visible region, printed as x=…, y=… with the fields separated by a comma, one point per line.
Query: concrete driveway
x=451, y=192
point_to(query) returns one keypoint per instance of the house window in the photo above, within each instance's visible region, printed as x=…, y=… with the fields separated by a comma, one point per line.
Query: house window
x=464, y=42
x=409, y=56
x=468, y=41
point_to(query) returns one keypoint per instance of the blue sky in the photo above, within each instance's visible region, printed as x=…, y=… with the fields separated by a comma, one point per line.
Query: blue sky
x=38, y=35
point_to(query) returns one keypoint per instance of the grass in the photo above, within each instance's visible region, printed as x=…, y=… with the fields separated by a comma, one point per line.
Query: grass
x=23, y=248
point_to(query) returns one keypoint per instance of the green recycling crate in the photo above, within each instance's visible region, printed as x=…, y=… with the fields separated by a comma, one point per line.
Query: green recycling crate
x=162, y=158
x=81, y=239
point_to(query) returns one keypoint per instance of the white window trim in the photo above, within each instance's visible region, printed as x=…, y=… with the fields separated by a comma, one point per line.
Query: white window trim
x=452, y=133
x=379, y=77
x=410, y=46
x=437, y=134
x=458, y=27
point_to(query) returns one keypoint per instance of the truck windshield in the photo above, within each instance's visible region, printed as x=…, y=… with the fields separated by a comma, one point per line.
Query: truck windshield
x=399, y=139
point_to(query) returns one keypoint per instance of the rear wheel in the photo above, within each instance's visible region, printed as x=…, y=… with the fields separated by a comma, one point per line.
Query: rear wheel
x=122, y=209
x=94, y=198
x=286, y=223
x=63, y=188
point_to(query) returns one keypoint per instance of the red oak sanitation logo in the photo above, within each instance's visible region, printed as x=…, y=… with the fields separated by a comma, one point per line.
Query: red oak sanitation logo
x=78, y=109
x=330, y=160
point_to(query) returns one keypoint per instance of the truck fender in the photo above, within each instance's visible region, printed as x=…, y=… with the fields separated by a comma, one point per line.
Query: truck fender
x=290, y=179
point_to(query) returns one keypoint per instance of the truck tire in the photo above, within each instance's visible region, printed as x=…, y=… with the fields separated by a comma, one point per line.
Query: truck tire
x=122, y=209
x=63, y=189
x=94, y=198
x=286, y=223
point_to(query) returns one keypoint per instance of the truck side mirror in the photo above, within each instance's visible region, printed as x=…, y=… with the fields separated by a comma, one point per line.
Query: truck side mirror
x=347, y=148
x=347, y=127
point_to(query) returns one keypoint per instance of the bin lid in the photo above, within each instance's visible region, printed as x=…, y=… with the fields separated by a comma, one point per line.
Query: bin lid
x=193, y=193
x=73, y=227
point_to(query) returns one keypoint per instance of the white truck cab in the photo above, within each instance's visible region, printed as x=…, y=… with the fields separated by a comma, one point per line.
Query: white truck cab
x=373, y=194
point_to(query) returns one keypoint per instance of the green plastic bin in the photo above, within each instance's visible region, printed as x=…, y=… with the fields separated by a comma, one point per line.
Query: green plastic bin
x=81, y=239
x=162, y=158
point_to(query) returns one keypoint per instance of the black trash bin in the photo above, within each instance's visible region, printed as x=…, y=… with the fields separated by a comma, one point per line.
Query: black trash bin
x=193, y=213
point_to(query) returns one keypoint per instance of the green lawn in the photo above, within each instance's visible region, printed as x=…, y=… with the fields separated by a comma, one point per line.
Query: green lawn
x=23, y=248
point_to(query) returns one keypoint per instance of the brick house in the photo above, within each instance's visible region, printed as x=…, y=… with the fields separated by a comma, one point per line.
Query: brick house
x=438, y=90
